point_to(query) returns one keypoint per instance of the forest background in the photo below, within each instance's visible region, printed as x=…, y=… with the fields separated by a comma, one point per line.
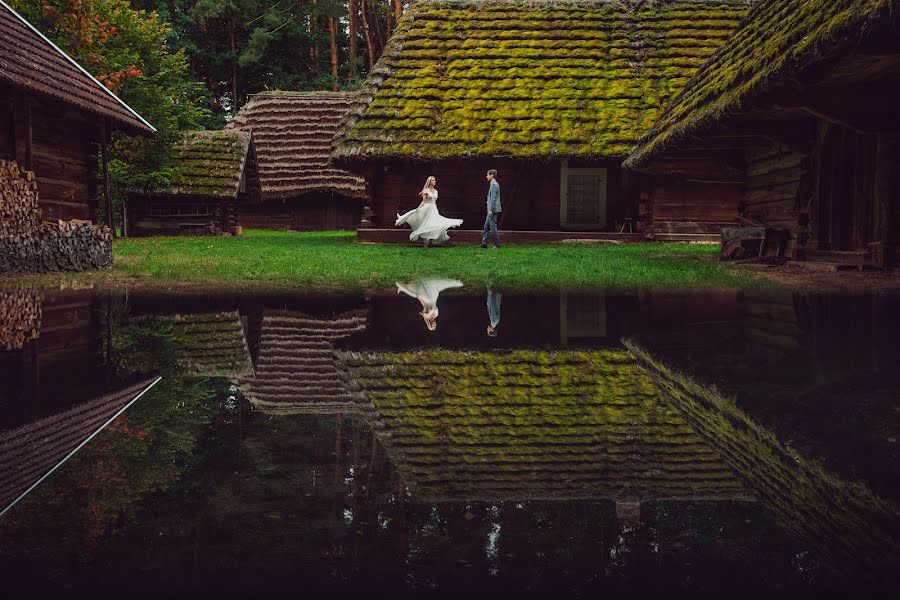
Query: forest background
x=191, y=64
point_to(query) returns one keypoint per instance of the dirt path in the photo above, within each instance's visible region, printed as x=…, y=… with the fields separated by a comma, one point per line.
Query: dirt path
x=813, y=278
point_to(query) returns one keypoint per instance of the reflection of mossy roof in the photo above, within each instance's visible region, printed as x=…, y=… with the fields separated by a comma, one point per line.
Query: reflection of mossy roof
x=533, y=424
x=213, y=344
x=530, y=79
x=209, y=163
x=778, y=39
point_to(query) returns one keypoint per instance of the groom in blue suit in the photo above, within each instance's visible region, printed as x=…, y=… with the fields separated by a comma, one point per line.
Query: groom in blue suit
x=493, y=210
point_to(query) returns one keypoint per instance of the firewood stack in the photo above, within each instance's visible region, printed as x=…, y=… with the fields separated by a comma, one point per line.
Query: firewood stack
x=28, y=245
x=20, y=318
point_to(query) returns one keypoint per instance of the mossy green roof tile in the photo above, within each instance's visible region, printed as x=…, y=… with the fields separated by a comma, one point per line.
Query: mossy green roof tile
x=778, y=39
x=209, y=163
x=530, y=79
x=529, y=424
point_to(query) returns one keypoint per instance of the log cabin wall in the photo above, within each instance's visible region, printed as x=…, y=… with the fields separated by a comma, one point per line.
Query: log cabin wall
x=180, y=215
x=675, y=206
x=529, y=192
x=62, y=152
x=317, y=211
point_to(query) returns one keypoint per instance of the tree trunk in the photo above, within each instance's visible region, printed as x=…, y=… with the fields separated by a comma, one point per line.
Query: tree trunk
x=332, y=36
x=314, y=49
x=398, y=10
x=367, y=32
x=234, y=68
x=352, y=8
x=387, y=20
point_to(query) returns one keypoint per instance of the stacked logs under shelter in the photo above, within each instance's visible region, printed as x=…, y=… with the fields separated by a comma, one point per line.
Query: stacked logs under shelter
x=20, y=318
x=29, y=245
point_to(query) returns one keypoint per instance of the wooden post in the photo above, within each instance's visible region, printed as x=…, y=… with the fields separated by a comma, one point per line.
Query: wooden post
x=29, y=150
x=12, y=130
x=104, y=134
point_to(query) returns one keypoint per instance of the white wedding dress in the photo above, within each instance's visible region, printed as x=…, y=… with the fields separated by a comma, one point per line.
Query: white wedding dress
x=426, y=222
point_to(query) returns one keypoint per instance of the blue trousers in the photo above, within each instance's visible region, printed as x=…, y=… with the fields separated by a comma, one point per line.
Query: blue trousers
x=490, y=229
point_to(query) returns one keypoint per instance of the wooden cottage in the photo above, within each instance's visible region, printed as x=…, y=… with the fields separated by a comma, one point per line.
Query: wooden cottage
x=802, y=103
x=53, y=116
x=553, y=94
x=292, y=134
x=215, y=172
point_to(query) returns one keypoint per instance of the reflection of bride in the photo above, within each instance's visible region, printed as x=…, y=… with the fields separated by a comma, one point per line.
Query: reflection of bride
x=426, y=291
x=425, y=220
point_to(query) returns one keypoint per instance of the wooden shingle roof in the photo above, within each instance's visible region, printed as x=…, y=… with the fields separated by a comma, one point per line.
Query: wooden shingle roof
x=30, y=61
x=295, y=371
x=210, y=163
x=778, y=39
x=292, y=133
x=530, y=424
x=530, y=78
x=214, y=344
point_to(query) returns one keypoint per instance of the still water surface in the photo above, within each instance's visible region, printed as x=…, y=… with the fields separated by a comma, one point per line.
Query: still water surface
x=721, y=442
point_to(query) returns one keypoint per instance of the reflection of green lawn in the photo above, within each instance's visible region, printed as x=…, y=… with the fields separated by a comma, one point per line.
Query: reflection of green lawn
x=334, y=260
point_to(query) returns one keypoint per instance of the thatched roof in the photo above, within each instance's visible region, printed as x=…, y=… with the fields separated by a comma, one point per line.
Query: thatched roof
x=30, y=61
x=530, y=79
x=214, y=344
x=295, y=371
x=530, y=424
x=292, y=133
x=30, y=451
x=209, y=163
x=777, y=40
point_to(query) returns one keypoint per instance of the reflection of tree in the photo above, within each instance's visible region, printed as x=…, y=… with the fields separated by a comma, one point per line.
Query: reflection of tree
x=147, y=451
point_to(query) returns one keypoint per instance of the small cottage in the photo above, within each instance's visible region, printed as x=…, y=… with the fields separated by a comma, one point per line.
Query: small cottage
x=292, y=134
x=800, y=106
x=553, y=94
x=216, y=171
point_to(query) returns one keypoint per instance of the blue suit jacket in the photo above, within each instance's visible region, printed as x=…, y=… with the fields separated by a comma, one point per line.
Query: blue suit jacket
x=493, y=197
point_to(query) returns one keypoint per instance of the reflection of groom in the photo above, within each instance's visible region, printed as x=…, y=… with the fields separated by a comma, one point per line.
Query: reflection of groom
x=493, y=210
x=493, y=308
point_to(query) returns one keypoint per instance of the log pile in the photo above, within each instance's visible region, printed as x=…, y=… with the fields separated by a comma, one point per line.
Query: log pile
x=20, y=318
x=29, y=245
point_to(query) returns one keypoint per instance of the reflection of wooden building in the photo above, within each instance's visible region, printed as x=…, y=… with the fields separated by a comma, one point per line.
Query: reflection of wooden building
x=28, y=452
x=530, y=424
x=295, y=369
x=809, y=120
x=214, y=344
x=215, y=172
x=53, y=115
x=551, y=94
x=292, y=134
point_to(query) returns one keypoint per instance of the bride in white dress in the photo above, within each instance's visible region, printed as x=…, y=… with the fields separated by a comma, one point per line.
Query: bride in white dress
x=426, y=290
x=425, y=220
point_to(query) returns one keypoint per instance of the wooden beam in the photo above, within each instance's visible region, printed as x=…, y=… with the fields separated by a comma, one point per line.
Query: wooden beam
x=104, y=135
x=29, y=146
x=12, y=129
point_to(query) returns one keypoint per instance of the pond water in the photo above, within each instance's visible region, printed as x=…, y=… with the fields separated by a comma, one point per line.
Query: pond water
x=438, y=439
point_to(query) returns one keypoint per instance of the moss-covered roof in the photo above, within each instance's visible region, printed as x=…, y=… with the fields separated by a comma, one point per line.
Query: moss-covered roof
x=530, y=79
x=214, y=344
x=778, y=39
x=533, y=424
x=209, y=163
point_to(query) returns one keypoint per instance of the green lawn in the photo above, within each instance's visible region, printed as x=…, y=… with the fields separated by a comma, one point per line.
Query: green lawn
x=334, y=260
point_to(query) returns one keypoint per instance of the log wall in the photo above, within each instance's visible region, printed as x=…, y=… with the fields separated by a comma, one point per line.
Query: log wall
x=671, y=205
x=179, y=215
x=62, y=152
x=309, y=212
x=529, y=192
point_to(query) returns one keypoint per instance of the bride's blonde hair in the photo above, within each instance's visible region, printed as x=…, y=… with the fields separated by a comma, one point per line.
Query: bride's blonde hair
x=425, y=187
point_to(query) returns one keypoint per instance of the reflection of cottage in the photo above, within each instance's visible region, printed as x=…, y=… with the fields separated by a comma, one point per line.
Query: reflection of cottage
x=30, y=451
x=842, y=520
x=215, y=173
x=803, y=101
x=214, y=344
x=552, y=94
x=295, y=368
x=292, y=134
x=528, y=424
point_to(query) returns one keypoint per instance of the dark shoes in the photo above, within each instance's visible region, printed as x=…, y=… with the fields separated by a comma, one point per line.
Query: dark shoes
x=483, y=246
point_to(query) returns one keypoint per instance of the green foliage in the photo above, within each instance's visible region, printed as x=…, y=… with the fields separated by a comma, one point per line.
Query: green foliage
x=333, y=260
